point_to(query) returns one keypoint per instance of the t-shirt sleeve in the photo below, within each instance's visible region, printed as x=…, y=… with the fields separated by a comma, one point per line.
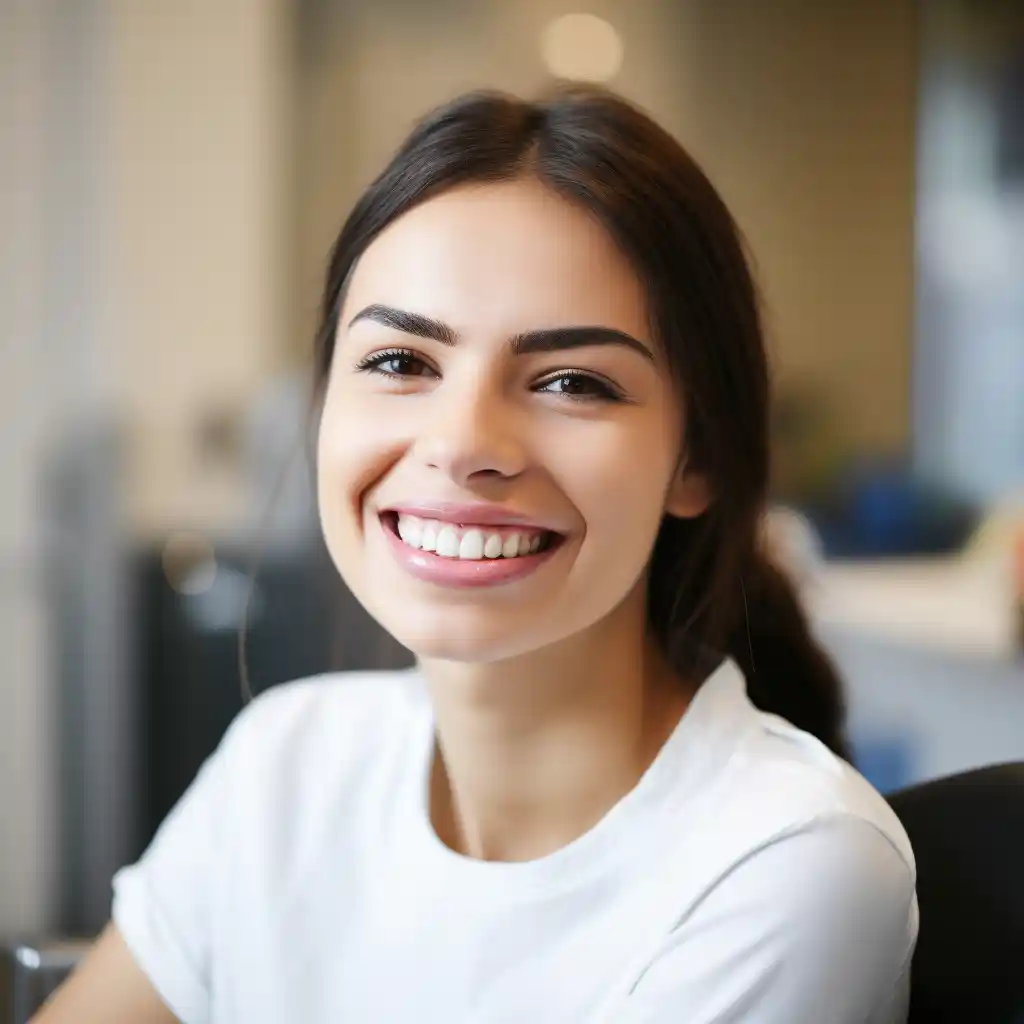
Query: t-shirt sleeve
x=819, y=925
x=164, y=904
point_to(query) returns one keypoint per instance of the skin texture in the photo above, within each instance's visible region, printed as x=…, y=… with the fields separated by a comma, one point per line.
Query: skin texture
x=493, y=262
x=107, y=988
x=549, y=697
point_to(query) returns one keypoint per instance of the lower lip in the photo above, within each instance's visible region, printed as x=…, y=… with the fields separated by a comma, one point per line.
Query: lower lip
x=458, y=572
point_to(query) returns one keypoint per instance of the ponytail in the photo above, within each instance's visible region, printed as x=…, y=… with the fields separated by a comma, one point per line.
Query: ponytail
x=712, y=591
x=788, y=673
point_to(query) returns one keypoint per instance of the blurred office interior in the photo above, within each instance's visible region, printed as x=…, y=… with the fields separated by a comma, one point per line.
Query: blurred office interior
x=172, y=177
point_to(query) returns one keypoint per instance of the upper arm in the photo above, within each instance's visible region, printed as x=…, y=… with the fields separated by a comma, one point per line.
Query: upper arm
x=153, y=964
x=819, y=925
x=108, y=987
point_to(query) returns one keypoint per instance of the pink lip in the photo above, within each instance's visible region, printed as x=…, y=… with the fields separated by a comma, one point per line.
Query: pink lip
x=470, y=514
x=454, y=572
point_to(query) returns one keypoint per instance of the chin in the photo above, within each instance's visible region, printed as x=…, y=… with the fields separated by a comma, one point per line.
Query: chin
x=465, y=639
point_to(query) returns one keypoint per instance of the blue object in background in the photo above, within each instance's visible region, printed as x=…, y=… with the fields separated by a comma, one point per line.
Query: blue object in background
x=886, y=761
x=880, y=509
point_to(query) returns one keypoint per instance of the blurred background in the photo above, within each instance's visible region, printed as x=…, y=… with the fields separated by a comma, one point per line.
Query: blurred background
x=171, y=177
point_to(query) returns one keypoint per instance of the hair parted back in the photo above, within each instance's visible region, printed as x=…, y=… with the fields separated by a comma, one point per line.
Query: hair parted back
x=712, y=588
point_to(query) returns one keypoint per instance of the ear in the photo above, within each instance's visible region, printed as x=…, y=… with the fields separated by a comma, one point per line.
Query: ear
x=689, y=494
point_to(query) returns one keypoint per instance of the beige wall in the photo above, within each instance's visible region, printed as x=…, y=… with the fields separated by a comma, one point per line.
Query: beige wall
x=26, y=406
x=802, y=113
x=143, y=197
x=195, y=169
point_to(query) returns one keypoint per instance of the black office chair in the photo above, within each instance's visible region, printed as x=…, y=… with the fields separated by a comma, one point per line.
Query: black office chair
x=967, y=831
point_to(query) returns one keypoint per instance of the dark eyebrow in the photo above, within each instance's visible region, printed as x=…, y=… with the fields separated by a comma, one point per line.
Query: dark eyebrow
x=407, y=323
x=558, y=339
x=552, y=339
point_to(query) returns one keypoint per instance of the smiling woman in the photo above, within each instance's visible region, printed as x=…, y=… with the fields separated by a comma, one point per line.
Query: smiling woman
x=613, y=787
x=493, y=353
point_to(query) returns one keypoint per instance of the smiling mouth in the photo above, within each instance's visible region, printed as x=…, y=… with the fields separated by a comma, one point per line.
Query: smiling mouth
x=467, y=542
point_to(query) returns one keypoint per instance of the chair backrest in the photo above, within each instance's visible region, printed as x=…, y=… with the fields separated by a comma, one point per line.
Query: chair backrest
x=967, y=832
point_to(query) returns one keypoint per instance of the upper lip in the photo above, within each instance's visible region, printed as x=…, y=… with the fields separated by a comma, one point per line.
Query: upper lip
x=467, y=514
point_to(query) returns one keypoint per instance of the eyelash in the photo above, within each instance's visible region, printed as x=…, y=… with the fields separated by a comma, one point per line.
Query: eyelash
x=374, y=363
x=605, y=391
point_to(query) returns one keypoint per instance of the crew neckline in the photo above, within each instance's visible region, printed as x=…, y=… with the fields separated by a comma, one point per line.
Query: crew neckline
x=700, y=744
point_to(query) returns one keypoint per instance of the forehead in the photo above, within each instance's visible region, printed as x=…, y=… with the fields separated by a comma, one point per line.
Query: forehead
x=507, y=256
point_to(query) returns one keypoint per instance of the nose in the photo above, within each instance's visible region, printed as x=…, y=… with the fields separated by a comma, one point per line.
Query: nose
x=471, y=433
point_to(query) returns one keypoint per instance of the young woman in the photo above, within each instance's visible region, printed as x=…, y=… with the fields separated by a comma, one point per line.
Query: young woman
x=613, y=788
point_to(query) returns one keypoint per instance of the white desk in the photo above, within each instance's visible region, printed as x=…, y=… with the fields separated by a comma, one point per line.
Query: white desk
x=929, y=654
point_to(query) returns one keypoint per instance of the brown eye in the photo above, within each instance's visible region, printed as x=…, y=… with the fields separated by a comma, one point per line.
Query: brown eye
x=580, y=387
x=395, y=363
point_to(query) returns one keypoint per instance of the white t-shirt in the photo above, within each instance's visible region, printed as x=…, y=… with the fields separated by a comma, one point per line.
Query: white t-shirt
x=750, y=876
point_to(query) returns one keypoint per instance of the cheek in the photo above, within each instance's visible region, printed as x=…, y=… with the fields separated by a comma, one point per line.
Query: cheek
x=619, y=483
x=353, y=451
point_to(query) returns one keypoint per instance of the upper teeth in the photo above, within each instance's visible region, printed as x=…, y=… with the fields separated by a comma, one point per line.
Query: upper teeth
x=469, y=542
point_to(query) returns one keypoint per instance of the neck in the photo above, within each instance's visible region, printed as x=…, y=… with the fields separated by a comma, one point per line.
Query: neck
x=534, y=751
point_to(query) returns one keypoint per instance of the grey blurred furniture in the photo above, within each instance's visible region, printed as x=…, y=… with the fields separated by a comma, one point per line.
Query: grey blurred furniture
x=33, y=971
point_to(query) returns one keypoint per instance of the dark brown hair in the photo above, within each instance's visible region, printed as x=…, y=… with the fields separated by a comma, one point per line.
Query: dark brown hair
x=712, y=589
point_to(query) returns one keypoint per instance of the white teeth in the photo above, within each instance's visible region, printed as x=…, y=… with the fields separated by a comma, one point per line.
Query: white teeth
x=447, y=543
x=471, y=544
x=410, y=530
x=428, y=538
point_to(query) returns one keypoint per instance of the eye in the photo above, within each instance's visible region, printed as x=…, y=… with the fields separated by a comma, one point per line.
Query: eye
x=395, y=363
x=580, y=386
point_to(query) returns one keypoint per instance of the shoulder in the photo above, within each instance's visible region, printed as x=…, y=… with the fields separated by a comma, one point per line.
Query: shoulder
x=319, y=735
x=823, y=915
x=795, y=886
x=301, y=761
x=780, y=807
x=768, y=779
x=364, y=705
x=822, y=860
x=794, y=783
x=346, y=710
x=833, y=871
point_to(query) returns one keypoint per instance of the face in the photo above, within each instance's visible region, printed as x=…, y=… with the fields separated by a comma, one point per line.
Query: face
x=500, y=436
